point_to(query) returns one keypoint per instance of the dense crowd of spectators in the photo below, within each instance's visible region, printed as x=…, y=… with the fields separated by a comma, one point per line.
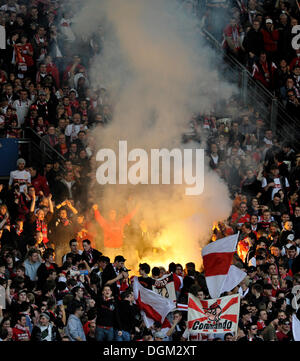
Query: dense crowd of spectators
x=259, y=34
x=86, y=294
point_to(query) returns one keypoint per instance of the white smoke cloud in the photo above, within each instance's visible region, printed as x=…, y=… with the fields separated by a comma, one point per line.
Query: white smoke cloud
x=158, y=71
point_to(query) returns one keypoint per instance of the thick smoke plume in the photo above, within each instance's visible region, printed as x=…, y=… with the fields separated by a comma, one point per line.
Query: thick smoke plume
x=158, y=73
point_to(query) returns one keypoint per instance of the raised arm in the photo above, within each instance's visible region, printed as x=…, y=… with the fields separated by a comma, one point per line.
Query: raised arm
x=73, y=209
x=51, y=209
x=98, y=216
x=130, y=215
x=32, y=206
x=61, y=204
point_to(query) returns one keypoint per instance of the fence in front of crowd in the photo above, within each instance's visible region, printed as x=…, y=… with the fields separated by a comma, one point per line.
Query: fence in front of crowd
x=41, y=151
x=254, y=93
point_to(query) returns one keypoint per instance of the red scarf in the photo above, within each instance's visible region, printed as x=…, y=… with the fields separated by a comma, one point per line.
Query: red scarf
x=291, y=207
x=68, y=109
x=19, y=58
x=18, y=231
x=44, y=104
x=41, y=226
x=43, y=50
x=83, y=111
x=65, y=221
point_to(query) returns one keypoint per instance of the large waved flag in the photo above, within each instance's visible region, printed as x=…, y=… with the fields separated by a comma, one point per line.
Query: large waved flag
x=234, y=277
x=153, y=306
x=217, y=258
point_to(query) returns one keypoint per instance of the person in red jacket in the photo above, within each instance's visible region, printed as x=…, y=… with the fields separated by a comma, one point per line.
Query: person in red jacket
x=20, y=332
x=270, y=36
x=296, y=60
x=113, y=229
x=232, y=39
x=53, y=70
x=39, y=182
x=241, y=216
x=72, y=68
x=263, y=71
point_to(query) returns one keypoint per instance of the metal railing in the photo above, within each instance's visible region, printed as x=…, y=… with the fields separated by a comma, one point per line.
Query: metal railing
x=254, y=93
x=41, y=150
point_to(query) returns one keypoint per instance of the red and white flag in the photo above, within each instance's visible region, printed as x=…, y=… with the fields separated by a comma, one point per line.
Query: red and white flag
x=182, y=307
x=219, y=315
x=217, y=258
x=153, y=306
x=234, y=277
x=165, y=287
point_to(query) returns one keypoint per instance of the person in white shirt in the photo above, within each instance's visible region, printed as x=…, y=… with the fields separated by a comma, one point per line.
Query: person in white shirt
x=2, y=35
x=66, y=27
x=73, y=250
x=73, y=129
x=20, y=176
x=274, y=182
x=10, y=6
x=22, y=106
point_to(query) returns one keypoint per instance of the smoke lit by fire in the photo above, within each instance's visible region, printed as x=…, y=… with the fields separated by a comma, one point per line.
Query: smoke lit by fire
x=158, y=74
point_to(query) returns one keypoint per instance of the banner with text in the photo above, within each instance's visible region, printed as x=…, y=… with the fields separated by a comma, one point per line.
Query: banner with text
x=165, y=287
x=218, y=315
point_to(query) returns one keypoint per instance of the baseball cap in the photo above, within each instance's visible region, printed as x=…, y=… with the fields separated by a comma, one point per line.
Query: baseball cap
x=251, y=269
x=269, y=21
x=21, y=160
x=290, y=237
x=22, y=291
x=45, y=314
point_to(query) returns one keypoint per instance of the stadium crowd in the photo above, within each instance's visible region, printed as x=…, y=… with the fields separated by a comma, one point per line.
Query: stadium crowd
x=259, y=34
x=86, y=295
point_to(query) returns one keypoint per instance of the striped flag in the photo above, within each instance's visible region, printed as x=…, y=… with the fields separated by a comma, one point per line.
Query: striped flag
x=217, y=258
x=153, y=306
x=182, y=307
x=218, y=315
x=233, y=278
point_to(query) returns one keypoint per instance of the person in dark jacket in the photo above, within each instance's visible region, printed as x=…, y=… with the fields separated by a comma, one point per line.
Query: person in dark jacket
x=293, y=104
x=45, y=330
x=129, y=317
x=89, y=254
x=284, y=45
x=251, y=333
x=108, y=319
x=116, y=275
x=44, y=268
x=39, y=182
x=66, y=188
x=62, y=224
x=253, y=43
x=251, y=186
